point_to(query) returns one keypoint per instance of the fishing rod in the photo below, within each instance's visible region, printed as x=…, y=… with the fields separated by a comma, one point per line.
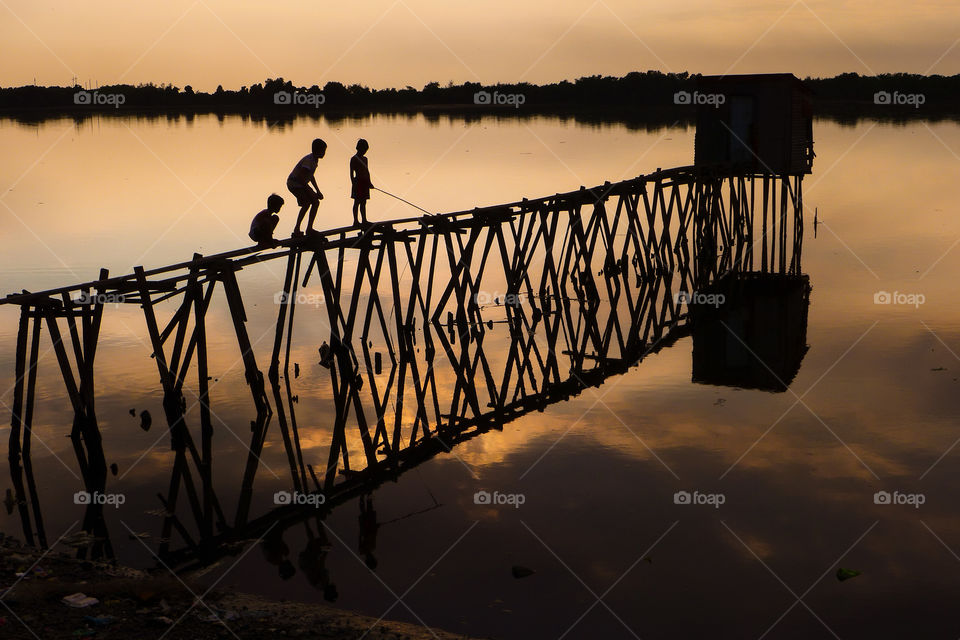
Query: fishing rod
x=402, y=200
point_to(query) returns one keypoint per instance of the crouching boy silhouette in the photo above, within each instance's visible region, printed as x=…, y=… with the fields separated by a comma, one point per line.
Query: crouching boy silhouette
x=264, y=223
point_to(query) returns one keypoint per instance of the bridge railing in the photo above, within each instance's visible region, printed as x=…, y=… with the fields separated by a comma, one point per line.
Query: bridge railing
x=588, y=281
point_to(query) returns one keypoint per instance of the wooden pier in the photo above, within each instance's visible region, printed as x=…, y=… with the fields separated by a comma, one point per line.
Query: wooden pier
x=590, y=282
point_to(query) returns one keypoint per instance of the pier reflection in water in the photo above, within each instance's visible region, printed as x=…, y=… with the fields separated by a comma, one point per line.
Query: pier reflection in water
x=429, y=332
x=449, y=380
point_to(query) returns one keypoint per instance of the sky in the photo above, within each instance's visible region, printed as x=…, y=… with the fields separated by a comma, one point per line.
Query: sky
x=395, y=43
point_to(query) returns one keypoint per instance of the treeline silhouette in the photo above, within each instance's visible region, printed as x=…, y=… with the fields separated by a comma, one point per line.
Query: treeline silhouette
x=649, y=91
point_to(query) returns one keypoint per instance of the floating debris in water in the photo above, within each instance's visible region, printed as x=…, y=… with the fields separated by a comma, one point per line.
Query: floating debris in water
x=133, y=412
x=296, y=370
x=145, y=420
x=79, y=600
x=325, y=355
x=846, y=574
x=114, y=469
x=38, y=572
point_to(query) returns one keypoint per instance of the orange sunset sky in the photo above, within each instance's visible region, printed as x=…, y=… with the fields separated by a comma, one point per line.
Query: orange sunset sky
x=382, y=43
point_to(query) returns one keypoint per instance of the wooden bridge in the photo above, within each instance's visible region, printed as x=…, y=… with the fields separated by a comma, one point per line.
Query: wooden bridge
x=586, y=282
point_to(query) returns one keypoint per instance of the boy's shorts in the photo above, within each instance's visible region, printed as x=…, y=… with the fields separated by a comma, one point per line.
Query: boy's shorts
x=304, y=194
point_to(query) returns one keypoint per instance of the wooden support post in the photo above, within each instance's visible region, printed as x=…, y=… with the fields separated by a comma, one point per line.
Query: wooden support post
x=253, y=375
x=206, y=426
x=33, y=365
x=284, y=301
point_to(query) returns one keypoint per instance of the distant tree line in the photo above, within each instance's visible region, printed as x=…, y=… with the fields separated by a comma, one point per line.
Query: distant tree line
x=636, y=91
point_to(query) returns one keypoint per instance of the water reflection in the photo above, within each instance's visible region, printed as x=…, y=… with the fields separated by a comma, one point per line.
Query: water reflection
x=757, y=336
x=589, y=291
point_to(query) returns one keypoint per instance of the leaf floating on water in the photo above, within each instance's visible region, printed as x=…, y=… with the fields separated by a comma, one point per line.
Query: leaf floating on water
x=114, y=469
x=145, y=420
x=133, y=412
x=521, y=572
x=846, y=574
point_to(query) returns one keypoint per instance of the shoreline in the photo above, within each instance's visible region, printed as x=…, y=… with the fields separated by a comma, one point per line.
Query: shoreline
x=134, y=603
x=665, y=115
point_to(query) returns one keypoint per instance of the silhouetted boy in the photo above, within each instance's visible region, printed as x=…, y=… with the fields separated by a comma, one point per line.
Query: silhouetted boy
x=360, y=181
x=299, y=183
x=367, y=543
x=277, y=553
x=313, y=560
x=261, y=229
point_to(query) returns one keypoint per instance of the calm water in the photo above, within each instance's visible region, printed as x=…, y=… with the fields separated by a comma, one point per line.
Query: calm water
x=874, y=406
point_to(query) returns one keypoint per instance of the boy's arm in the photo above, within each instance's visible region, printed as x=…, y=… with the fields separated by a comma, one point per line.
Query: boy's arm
x=313, y=179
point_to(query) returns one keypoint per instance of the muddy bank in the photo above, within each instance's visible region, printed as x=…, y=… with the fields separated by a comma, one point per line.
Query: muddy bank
x=149, y=604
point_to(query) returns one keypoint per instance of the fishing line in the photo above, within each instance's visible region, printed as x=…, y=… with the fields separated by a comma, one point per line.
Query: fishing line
x=402, y=200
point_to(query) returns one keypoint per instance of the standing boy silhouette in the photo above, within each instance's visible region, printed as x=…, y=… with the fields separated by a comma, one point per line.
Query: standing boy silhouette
x=360, y=182
x=299, y=183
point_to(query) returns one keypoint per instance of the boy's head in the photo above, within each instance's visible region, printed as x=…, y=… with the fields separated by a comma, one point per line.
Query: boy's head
x=274, y=202
x=319, y=148
x=362, y=146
